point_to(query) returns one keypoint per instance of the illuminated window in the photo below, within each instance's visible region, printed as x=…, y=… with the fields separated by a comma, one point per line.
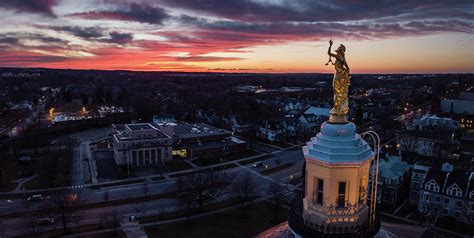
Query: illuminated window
x=182, y=153
x=362, y=189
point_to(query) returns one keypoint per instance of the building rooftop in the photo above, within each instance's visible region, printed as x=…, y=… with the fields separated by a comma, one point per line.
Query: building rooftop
x=318, y=111
x=139, y=131
x=198, y=130
x=393, y=168
x=140, y=126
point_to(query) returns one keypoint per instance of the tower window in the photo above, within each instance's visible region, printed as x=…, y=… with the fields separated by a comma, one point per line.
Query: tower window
x=319, y=198
x=341, y=197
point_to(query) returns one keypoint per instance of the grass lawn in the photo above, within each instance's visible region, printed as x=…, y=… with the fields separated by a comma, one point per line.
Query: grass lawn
x=80, y=229
x=8, y=187
x=217, y=168
x=276, y=169
x=53, y=168
x=178, y=214
x=224, y=224
x=8, y=171
x=251, y=161
x=110, y=234
x=176, y=165
x=226, y=158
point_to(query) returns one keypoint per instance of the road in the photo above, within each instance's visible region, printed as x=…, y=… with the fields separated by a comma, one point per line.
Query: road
x=80, y=169
x=16, y=226
x=20, y=225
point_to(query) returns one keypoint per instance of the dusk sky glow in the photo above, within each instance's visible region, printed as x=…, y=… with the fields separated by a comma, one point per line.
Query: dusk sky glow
x=383, y=36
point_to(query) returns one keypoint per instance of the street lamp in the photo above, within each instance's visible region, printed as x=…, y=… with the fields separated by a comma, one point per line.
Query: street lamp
x=374, y=173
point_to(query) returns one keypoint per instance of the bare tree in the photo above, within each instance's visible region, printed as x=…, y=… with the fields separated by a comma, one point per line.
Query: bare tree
x=200, y=188
x=276, y=194
x=184, y=198
x=65, y=207
x=111, y=217
x=243, y=189
x=29, y=218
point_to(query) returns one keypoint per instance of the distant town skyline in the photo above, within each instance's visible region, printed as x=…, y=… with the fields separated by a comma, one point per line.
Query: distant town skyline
x=238, y=36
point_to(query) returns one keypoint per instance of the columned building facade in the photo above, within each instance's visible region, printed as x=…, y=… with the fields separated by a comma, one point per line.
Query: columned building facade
x=141, y=144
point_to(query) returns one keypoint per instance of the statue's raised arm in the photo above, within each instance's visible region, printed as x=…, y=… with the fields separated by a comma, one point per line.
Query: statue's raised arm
x=329, y=50
x=340, y=84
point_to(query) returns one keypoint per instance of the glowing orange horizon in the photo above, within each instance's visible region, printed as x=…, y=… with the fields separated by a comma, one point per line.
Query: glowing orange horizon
x=241, y=36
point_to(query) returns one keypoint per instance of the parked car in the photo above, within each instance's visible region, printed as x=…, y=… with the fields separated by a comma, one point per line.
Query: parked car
x=45, y=221
x=133, y=218
x=258, y=164
x=35, y=198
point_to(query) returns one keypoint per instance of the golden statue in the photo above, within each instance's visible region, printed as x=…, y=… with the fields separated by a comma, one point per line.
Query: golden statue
x=340, y=85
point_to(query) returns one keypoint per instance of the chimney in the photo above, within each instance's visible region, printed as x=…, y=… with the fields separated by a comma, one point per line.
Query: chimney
x=447, y=167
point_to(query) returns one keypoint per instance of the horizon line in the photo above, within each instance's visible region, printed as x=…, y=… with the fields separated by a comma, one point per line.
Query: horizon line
x=227, y=72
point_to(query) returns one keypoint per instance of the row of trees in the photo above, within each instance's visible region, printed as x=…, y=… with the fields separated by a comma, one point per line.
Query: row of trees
x=192, y=192
x=195, y=191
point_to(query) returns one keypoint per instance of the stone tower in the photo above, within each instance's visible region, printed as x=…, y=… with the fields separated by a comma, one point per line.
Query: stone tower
x=336, y=173
x=337, y=170
x=336, y=181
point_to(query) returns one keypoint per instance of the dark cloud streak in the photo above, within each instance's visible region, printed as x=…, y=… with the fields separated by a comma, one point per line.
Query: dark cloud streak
x=133, y=12
x=44, y=7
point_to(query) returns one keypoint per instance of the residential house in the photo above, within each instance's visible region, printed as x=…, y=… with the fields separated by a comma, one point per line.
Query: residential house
x=311, y=120
x=393, y=181
x=448, y=192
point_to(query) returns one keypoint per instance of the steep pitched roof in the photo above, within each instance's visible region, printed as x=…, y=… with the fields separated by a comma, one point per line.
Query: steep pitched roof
x=318, y=111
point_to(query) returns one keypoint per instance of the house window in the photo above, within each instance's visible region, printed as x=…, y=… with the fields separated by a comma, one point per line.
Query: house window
x=437, y=198
x=458, y=204
x=454, y=191
x=341, y=197
x=446, y=201
x=445, y=211
x=319, y=198
x=457, y=214
x=432, y=186
x=427, y=197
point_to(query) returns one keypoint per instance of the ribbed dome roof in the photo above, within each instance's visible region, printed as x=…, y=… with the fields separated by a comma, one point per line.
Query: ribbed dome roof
x=338, y=143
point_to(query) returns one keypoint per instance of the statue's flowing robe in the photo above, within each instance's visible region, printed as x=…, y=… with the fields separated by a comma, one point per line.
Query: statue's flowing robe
x=340, y=84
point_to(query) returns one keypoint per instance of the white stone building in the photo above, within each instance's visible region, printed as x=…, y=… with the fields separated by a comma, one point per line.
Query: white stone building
x=140, y=144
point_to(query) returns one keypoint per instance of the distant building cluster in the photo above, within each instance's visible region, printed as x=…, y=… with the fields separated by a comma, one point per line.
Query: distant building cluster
x=100, y=112
x=441, y=150
x=261, y=89
x=461, y=108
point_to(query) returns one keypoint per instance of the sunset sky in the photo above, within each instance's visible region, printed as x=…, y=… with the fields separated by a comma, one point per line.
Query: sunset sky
x=381, y=36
